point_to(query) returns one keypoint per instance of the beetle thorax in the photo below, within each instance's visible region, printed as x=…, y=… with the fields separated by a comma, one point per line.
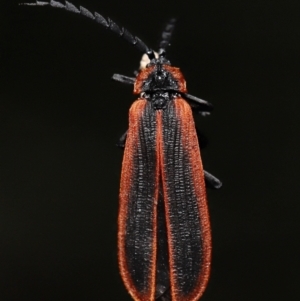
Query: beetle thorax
x=159, y=83
x=159, y=99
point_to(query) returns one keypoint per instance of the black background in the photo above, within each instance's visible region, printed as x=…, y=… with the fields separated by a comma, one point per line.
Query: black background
x=61, y=115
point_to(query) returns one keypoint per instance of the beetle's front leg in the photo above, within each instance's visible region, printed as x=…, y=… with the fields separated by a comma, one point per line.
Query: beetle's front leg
x=122, y=140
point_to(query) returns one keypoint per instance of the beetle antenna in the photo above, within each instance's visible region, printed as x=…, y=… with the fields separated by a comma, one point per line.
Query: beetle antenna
x=107, y=23
x=166, y=37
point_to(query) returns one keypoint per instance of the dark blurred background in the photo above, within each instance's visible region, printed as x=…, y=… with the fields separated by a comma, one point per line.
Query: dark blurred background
x=61, y=115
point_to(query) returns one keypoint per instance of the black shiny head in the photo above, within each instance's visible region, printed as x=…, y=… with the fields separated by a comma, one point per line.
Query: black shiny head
x=160, y=87
x=160, y=79
x=160, y=60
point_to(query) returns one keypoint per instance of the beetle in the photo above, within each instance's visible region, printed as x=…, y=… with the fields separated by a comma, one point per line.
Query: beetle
x=164, y=238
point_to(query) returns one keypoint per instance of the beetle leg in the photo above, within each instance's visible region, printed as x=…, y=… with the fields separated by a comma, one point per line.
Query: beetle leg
x=122, y=140
x=123, y=79
x=211, y=181
x=198, y=105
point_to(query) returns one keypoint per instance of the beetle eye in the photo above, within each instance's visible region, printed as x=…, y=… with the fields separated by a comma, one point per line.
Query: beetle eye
x=145, y=60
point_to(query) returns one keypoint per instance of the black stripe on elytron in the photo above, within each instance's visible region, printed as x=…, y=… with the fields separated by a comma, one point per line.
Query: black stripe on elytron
x=162, y=262
x=139, y=224
x=184, y=219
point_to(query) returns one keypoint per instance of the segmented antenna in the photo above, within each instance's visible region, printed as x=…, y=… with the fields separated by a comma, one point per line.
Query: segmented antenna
x=166, y=36
x=107, y=23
